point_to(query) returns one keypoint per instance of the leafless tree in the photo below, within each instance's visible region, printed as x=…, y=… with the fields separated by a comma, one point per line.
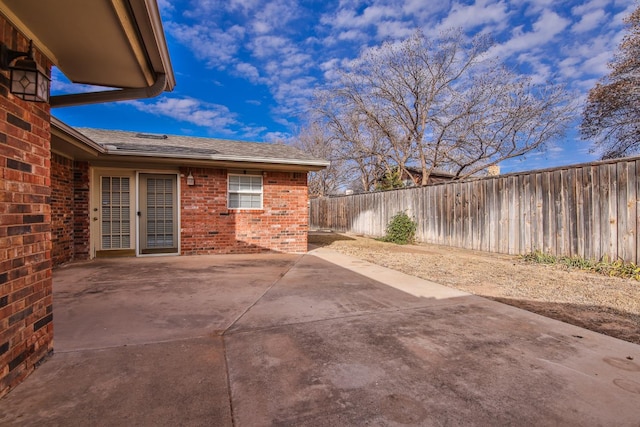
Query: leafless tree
x=612, y=114
x=362, y=153
x=313, y=140
x=443, y=105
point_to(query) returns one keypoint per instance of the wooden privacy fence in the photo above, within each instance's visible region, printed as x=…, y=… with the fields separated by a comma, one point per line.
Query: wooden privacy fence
x=588, y=210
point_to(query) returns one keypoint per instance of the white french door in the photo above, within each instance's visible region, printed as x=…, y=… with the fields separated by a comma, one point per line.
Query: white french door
x=134, y=213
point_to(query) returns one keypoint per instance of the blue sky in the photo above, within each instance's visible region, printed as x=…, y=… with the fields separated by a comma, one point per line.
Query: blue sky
x=245, y=69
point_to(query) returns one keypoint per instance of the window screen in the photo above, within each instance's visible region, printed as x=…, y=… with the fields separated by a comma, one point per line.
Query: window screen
x=115, y=212
x=245, y=192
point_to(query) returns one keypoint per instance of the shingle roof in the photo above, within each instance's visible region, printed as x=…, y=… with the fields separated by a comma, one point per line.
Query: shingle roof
x=123, y=142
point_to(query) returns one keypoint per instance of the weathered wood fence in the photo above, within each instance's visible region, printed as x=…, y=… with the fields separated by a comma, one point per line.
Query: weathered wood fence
x=589, y=210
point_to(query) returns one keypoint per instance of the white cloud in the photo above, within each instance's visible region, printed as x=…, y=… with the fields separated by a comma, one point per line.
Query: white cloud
x=165, y=6
x=395, y=30
x=268, y=45
x=535, y=6
x=568, y=67
x=252, y=132
x=248, y=71
x=277, y=137
x=548, y=25
x=190, y=110
x=589, y=21
x=423, y=8
x=589, y=6
x=216, y=46
x=275, y=15
x=350, y=19
x=245, y=6
x=598, y=63
x=482, y=12
x=351, y=35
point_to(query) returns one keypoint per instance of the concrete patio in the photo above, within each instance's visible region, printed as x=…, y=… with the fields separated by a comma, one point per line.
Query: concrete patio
x=319, y=339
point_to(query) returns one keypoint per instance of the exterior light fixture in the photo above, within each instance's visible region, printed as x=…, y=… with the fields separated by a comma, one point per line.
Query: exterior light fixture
x=190, y=180
x=28, y=80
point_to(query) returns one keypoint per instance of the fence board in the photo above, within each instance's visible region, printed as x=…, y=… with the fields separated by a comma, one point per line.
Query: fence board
x=503, y=223
x=613, y=212
x=605, y=211
x=570, y=219
x=583, y=215
x=525, y=214
x=596, y=234
x=632, y=212
x=476, y=190
x=592, y=211
x=626, y=210
x=549, y=219
x=512, y=215
x=559, y=192
x=538, y=230
x=637, y=183
x=495, y=211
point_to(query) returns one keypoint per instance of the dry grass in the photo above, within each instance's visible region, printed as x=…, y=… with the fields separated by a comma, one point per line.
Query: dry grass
x=603, y=304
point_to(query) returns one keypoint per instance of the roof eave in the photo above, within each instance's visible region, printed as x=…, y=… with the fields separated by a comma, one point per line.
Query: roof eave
x=134, y=28
x=311, y=164
x=161, y=43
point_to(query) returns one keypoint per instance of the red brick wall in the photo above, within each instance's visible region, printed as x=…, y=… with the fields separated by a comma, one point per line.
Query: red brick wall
x=208, y=227
x=81, y=214
x=26, y=330
x=69, y=210
x=61, y=209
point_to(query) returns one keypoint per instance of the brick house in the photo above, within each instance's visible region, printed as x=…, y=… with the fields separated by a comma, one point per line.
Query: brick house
x=67, y=194
x=116, y=44
x=118, y=193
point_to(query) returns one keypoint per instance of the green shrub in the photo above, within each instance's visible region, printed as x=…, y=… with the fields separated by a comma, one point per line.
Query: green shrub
x=390, y=180
x=400, y=230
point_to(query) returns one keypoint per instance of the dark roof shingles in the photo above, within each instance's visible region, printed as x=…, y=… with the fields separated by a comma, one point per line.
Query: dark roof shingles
x=176, y=145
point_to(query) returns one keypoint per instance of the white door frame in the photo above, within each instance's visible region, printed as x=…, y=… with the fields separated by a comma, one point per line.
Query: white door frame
x=95, y=219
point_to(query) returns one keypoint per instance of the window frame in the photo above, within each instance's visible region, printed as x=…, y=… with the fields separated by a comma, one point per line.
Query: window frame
x=240, y=192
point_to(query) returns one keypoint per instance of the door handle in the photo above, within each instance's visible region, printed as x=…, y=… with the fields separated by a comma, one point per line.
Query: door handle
x=95, y=218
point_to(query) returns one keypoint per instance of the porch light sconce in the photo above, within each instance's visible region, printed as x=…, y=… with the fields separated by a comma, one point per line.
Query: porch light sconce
x=28, y=80
x=190, y=180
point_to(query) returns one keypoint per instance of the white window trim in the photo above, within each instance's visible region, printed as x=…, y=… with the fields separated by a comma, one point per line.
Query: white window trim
x=245, y=192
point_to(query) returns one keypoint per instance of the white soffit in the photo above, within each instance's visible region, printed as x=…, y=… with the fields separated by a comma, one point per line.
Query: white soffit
x=114, y=43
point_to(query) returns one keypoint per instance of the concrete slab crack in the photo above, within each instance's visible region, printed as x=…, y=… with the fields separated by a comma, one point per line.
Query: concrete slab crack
x=250, y=306
x=240, y=316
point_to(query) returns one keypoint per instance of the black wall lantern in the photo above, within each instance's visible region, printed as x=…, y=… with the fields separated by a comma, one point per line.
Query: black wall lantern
x=28, y=81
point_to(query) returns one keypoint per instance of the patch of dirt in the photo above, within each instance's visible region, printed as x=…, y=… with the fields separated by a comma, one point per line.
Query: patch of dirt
x=608, y=305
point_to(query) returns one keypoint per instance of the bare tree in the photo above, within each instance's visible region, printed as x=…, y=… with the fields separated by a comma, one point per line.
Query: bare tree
x=313, y=140
x=441, y=104
x=362, y=153
x=612, y=114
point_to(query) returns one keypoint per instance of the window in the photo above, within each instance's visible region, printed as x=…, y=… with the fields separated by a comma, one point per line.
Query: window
x=245, y=192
